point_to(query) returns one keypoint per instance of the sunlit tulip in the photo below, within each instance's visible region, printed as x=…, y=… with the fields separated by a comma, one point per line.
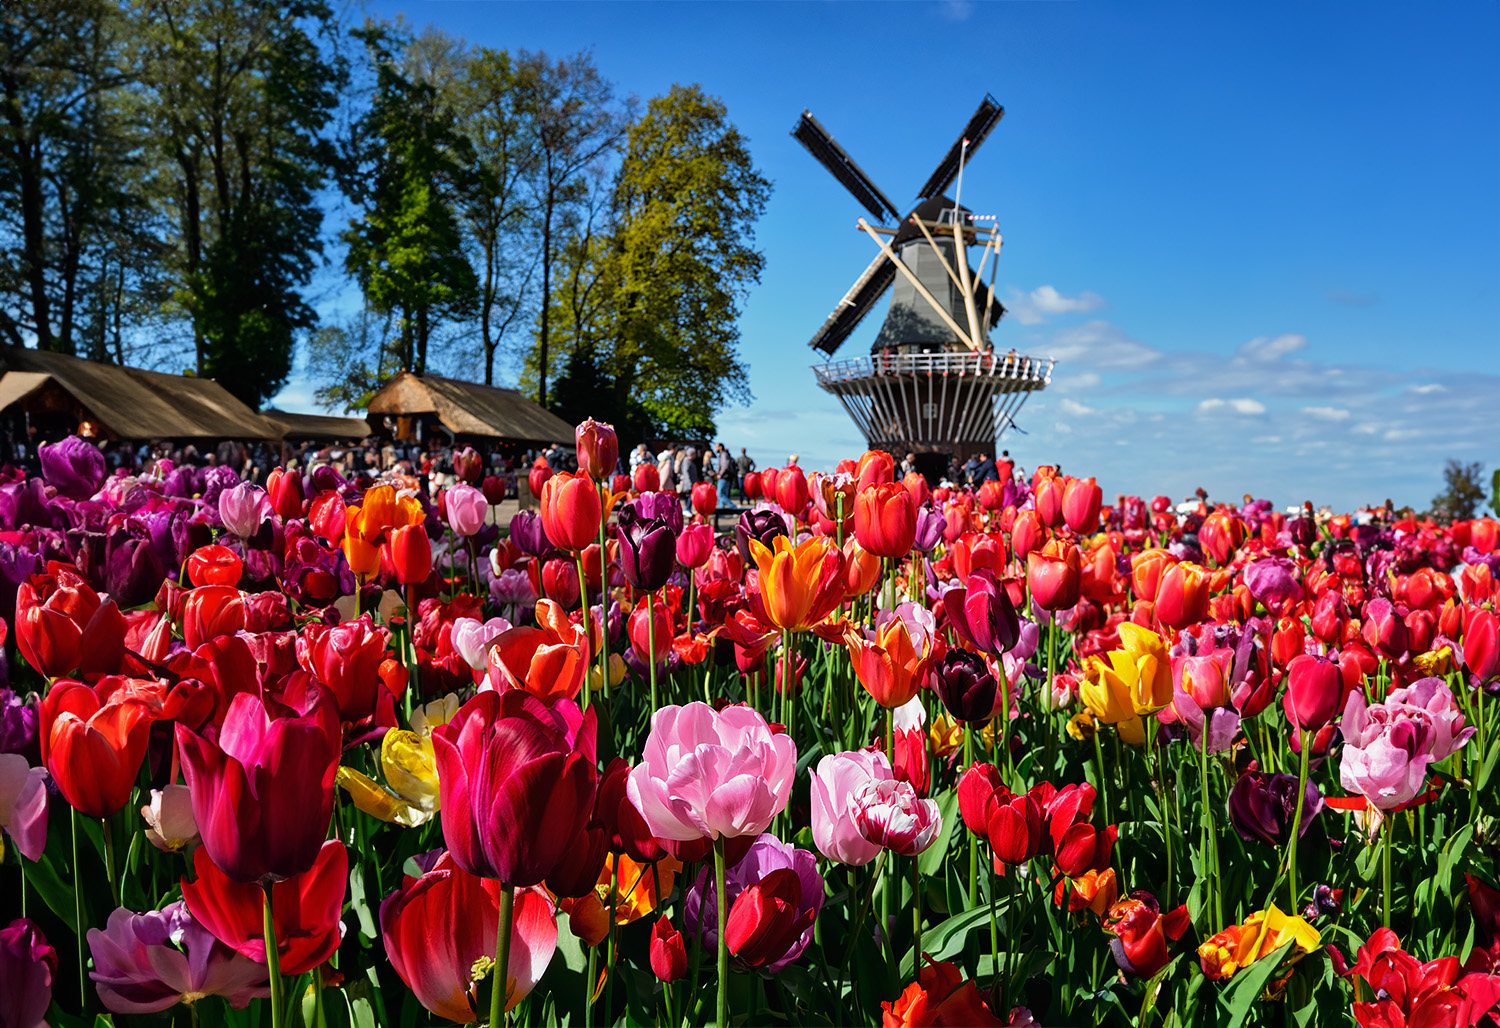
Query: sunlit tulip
x=516, y=781
x=571, y=510
x=262, y=788
x=346, y=658
x=647, y=479
x=93, y=750
x=63, y=625
x=707, y=774
x=145, y=963
x=1388, y=746
x=284, y=488
x=892, y=660
x=885, y=520
x=875, y=467
x=436, y=928
x=835, y=780
x=890, y=814
x=598, y=448
x=940, y=996
x=1220, y=535
x=410, y=551
x=1482, y=645
x=1027, y=534
x=861, y=569
x=1182, y=595
x=170, y=824
x=214, y=565
x=1080, y=505
x=73, y=466
x=694, y=545
x=467, y=509
x=548, y=661
x=1134, y=680
x=1054, y=576
x=1141, y=933
x=305, y=908
x=799, y=585
x=705, y=498
x=782, y=922
x=1261, y=806
x=1315, y=691
x=409, y=766
x=1015, y=828
x=792, y=491
x=1048, y=497
x=1383, y=629
x=982, y=614
x=1261, y=934
x=651, y=622
x=966, y=686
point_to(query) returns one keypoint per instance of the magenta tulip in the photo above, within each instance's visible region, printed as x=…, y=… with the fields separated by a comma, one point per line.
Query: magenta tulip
x=28, y=965
x=706, y=774
x=516, y=780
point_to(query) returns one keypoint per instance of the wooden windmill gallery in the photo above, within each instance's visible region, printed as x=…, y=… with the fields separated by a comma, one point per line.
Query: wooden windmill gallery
x=932, y=384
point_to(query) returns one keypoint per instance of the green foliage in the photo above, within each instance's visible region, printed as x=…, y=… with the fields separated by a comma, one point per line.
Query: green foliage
x=1462, y=492
x=1495, y=491
x=405, y=249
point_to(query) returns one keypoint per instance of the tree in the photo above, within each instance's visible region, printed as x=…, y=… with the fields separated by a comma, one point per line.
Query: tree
x=404, y=163
x=651, y=303
x=241, y=93
x=1462, y=492
x=574, y=125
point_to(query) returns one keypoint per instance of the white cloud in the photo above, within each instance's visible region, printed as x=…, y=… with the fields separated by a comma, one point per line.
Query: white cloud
x=1327, y=413
x=1100, y=344
x=1239, y=404
x=1086, y=380
x=1430, y=387
x=1267, y=348
x=1073, y=407
x=1031, y=308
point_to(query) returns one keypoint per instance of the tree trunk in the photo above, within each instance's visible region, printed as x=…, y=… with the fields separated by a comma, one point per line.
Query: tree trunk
x=33, y=255
x=421, y=368
x=541, y=375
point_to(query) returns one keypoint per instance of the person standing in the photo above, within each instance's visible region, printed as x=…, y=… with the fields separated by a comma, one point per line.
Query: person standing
x=723, y=473
x=1005, y=468
x=689, y=473
x=745, y=464
x=666, y=469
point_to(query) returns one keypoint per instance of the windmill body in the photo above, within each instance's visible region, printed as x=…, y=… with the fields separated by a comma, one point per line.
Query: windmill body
x=932, y=384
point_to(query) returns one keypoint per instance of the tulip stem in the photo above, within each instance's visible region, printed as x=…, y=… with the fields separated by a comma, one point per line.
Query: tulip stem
x=720, y=895
x=499, y=993
x=1010, y=908
x=973, y=838
x=78, y=912
x=604, y=602
x=788, y=679
x=273, y=959
x=651, y=645
x=994, y=920
x=1103, y=783
x=1291, y=846
x=583, y=600
x=109, y=861
x=916, y=918
x=1385, y=873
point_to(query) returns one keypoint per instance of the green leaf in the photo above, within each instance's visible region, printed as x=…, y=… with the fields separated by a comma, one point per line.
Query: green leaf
x=1246, y=987
x=944, y=941
x=933, y=857
x=1454, y=851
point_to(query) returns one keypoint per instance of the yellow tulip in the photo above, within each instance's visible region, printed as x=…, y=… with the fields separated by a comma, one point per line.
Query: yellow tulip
x=1262, y=934
x=946, y=734
x=635, y=892
x=410, y=795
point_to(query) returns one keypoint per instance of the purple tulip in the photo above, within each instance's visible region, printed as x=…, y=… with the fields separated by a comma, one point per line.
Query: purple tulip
x=764, y=525
x=17, y=725
x=217, y=479
x=930, y=525
x=964, y=683
x=1273, y=581
x=982, y=614
x=512, y=586
x=766, y=854
x=26, y=504
x=74, y=467
x=28, y=964
x=23, y=805
x=148, y=962
x=1262, y=806
x=16, y=565
x=648, y=549
x=526, y=532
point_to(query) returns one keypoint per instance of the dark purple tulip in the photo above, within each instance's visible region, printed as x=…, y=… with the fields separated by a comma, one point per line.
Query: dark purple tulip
x=74, y=467
x=930, y=525
x=648, y=551
x=964, y=683
x=526, y=532
x=764, y=525
x=28, y=964
x=216, y=479
x=1304, y=531
x=133, y=571
x=982, y=614
x=16, y=565
x=1262, y=806
x=26, y=503
x=17, y=725
x=655, y=505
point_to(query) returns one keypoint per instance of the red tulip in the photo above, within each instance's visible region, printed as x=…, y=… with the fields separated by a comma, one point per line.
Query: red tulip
x=977, y=789
x=1015, y=829
x=305, y=908
x=792, y=491
x=325, y=518
x=493, y=488
x=1287, y=641
x=1328, y=618
x=1080, y=505
x=1141, y=932
x=211, y=611
x=598, y=448
x=769, y=477
x=914, y=483
x=626, y=832
x=1220, y=535
x=1027, y=533
x=560, y=582
x=517, y=782
x=750, y=485
x=262, y=788
x=705, y=498
x=1314, y=692
x=642, y=622
x=63, y=625
x=92, y=749
x=1384, y=629
x=668, y=954
x=285, y=491
x=1482, y=645
x=885, y=520
x=214, y=565
x=536, y=478
x=1182, y=596
x=875, y=467
x=347, y=658
x=1055, y=576
x=694, y=545
x=548, y=661
x=991, y=495
x=974, y=551
x=438, y=926
x=571, y=510
x=410, y=551
x=1048, y=501
x=764, y=921
x=619, y=483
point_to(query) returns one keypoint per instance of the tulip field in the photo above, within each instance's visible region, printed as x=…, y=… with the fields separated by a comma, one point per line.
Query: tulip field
x=335, y=753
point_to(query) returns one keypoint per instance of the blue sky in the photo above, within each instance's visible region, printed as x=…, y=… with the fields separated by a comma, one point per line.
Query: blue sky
x=1262, y=240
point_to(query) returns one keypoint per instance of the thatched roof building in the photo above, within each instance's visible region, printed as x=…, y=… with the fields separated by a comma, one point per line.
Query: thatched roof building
x=470, y=409
x=317, y=426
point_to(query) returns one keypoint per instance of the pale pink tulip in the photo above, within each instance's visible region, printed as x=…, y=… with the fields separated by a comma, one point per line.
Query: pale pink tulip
x=23, y=804
x=837, y=777
x=471, y=639
x=149, y=962
x=467, y=509
x=1388, y=746
x=170, y=825
x=706, y=774
x=890, y=814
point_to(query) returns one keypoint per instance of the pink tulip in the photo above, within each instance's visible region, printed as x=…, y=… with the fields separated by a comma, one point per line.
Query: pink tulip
x=243, y=508
x=170, y=824
x=148, y=962
x=694, y=545
x=835, y=781
x=471, y=639
x=1388, y=746
x=467, y=508
x=890, y=814
x=23, y=804
x=706, y=774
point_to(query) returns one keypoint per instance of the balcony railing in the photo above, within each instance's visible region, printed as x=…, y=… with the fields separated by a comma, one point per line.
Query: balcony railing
x=1015, y=367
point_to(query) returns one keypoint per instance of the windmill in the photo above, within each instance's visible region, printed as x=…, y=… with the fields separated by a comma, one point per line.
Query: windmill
x=932, y=384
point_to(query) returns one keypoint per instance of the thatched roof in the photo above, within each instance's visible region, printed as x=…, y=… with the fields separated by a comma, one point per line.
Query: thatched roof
x=317, y=426
x=468, y=408
x=127, y=403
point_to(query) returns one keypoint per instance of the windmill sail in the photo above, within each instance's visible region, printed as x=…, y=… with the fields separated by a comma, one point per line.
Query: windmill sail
x=979, y=127
x=857, y=302
x=811, y=134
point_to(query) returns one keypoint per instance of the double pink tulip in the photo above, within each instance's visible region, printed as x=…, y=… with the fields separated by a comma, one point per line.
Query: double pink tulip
x=890, y=814
x=706, y=774
x=1388, y=746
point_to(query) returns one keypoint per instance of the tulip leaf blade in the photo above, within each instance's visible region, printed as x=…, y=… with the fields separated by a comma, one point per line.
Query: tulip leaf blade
x=931, y=860
x=944, y=941
x=1247, y=986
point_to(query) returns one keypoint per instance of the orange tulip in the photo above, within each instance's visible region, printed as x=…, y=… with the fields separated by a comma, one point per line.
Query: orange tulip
x=1054, y=574
x=385, y=509
x=360, y=550
x=893, y=665
x=915, y=484
x=799, y=586
x=885, y=520
x=861, y=569
x=875, y=468
x=1080, y=504
x=635, y=891
x=1182, y=596
x=1220, y=535
x=1146, y=568
x=974, y=551
x=571, y=510
x=548, y=661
